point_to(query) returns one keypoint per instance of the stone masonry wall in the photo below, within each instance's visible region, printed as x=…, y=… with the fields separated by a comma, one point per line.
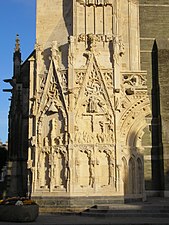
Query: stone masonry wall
x=154, y=32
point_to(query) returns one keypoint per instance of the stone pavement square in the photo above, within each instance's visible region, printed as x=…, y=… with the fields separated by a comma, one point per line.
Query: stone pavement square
x=59, y=219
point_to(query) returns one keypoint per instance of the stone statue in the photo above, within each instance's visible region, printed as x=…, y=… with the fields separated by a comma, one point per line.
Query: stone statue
x=92, y=175
x=92, y=105
x=111, y=172
x=41, y=169
x=56, y=53
x=91, y=41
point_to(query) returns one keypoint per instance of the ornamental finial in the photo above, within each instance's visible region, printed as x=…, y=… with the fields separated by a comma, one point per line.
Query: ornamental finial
x=17, y=44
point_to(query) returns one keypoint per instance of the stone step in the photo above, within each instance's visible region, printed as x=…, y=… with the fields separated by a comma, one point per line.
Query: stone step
x=82, y=220
x=127, y=211
x=144, y=210
x=119, y=214
x=130, y=207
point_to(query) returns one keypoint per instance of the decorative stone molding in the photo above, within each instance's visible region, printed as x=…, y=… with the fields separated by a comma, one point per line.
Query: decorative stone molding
x=95, y=2
x=96, y=37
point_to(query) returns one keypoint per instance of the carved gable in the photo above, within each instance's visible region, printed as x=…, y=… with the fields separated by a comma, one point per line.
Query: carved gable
x=93, y=108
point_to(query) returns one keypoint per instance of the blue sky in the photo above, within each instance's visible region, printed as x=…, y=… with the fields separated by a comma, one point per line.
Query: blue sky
x=16, y=17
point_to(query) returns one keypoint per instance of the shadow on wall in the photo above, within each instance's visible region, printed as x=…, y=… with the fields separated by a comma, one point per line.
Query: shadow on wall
x=157, y=145
x=68, y=15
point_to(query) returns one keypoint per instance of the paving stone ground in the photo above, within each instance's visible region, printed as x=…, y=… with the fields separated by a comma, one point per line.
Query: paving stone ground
x=80, y=220
x=77, y=219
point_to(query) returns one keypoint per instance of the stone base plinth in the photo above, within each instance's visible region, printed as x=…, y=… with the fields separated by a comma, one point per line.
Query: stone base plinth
x=73, y=204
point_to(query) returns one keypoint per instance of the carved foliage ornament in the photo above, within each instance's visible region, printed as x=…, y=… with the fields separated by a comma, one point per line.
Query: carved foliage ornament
x=94, y=37
x=134, y=79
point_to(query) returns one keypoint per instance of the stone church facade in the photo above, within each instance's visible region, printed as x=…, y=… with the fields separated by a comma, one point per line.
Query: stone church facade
x=82, y=109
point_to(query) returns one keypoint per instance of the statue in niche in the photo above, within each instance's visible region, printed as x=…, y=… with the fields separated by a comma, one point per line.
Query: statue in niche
x=91, y=41
x=39, y=135
x=118, y=46
x=91, y=169
x=101, y=135
x=77, y=170
x=110, y=135
x=118, y=51
x=121, y=47
x=92, y=105
x=41, y=169
x=92, y=174
x=53, y=127
x=54, y=170
x=117, y=179
x=67, y=173
x=33, y=108
x=78, y=137
x=111, y=173
x=55, y=175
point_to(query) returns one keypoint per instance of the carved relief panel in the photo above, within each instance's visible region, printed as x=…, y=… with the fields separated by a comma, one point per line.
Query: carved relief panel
x=94, y=121
x=52, y=159
x=94, y=127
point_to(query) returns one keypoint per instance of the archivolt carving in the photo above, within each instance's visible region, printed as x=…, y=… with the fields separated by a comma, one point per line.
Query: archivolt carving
x=134, y=123
x=142, y=101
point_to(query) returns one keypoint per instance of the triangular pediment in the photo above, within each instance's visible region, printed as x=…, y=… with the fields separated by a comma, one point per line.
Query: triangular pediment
x=52, y=96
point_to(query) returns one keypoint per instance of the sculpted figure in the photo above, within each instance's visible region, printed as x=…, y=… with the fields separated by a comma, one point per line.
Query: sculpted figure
x=91, y=41
x=91, y=169
x=77, y=163
x=92, y=174
x=41, y=169
x=67, y=174
x=55, y=52
x=92, y=105
x=111, y=172
x=54, y=170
